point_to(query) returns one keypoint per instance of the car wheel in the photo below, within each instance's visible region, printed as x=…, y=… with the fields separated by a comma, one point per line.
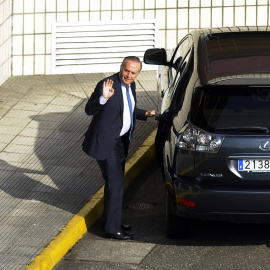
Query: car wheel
x=176, y=226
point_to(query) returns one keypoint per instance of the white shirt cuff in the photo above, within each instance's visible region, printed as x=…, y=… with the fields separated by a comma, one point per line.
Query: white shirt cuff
x=102, y=100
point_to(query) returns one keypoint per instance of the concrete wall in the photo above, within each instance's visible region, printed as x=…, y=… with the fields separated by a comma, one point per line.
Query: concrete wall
x=5, y=39
x=32, y=21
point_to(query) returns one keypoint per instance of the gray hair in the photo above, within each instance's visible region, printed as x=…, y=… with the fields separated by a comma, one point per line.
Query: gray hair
x=132, y=58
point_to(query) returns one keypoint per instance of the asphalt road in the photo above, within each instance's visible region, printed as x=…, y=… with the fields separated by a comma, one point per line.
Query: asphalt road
x=212, y=245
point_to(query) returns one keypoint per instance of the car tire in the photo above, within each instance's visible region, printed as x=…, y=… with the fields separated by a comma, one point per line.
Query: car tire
x=176, y=226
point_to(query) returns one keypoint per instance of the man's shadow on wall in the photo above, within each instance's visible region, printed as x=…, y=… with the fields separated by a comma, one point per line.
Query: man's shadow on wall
x=58, y=173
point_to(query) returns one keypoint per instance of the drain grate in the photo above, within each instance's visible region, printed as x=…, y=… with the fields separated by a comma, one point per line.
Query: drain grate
x=141, y=205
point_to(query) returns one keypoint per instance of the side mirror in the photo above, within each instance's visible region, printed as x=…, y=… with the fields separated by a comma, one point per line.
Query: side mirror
x=155, y=57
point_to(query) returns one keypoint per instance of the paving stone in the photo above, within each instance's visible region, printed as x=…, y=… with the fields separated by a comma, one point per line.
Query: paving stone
x=22, y=114
x=45, y=177
x=9, y=130
x=6, y=138
x=15, y=122
x=38, y=98
x=35, y=132
x=29, y=106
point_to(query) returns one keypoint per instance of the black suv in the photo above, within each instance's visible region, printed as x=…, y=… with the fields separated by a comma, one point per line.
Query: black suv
x=213, y=139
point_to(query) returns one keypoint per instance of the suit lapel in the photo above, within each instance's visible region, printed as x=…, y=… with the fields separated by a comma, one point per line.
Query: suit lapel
x=119, y=94
x=133, y=92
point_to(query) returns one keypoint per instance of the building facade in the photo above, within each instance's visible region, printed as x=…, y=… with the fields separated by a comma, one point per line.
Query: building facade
x=26, y=25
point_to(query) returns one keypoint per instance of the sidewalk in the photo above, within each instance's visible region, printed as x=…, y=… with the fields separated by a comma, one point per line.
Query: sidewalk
x=45, y=178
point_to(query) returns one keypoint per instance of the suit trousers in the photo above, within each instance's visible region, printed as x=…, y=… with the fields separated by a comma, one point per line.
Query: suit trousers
x=113, y=169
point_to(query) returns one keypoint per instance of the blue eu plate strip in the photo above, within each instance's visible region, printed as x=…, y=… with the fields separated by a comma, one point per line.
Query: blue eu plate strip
x=240, y=165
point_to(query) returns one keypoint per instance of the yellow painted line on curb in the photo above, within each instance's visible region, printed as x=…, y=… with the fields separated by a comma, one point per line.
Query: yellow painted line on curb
x=89, y=214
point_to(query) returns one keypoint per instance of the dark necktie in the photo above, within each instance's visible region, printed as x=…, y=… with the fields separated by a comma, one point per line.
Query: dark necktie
x=130, y=110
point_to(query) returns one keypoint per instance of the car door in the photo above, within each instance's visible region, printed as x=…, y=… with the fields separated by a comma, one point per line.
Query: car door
x=170, y=97
x=178, y=113
x=173, y=73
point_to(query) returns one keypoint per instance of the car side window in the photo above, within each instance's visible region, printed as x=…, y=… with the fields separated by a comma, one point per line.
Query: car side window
x=180, y=59
x=183, y=80
x=177, y=58
x=181, y=69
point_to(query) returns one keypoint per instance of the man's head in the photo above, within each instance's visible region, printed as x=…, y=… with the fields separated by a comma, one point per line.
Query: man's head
x=130, y=69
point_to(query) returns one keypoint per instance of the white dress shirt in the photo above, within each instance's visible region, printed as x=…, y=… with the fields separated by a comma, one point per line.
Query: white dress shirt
x=126, y=112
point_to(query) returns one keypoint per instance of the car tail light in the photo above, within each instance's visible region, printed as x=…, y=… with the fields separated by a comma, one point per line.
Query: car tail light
x=186, y=203
x=195, y=139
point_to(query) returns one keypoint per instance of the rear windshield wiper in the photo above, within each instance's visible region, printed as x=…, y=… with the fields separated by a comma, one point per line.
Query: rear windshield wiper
x=245, y=129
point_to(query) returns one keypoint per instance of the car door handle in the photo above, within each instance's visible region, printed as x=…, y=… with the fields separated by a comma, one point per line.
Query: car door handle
x=162, y=94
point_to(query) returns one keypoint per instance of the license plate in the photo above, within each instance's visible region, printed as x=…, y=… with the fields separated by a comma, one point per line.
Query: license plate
x=254, y=165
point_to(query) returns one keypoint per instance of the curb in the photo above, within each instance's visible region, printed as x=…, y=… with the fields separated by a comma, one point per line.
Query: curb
x=88, y=215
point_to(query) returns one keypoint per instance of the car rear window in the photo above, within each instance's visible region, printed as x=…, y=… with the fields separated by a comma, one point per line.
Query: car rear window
x=231, y=109
x=242, y=53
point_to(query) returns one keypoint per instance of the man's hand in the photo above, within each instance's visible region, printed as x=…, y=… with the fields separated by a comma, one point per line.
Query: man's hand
x=108, y=91
x=151, y=113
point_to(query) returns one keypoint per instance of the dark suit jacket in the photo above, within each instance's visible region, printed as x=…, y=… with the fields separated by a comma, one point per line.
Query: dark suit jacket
x=107, y=122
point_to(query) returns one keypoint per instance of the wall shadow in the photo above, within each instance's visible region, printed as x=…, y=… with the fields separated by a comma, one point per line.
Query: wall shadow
x=58, y=172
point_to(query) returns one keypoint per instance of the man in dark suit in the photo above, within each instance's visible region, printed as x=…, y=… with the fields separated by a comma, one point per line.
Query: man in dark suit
x=113, y=106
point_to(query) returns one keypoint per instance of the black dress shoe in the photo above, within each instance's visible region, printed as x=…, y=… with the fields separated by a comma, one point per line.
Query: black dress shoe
x=119, y=235
x=125, y=227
